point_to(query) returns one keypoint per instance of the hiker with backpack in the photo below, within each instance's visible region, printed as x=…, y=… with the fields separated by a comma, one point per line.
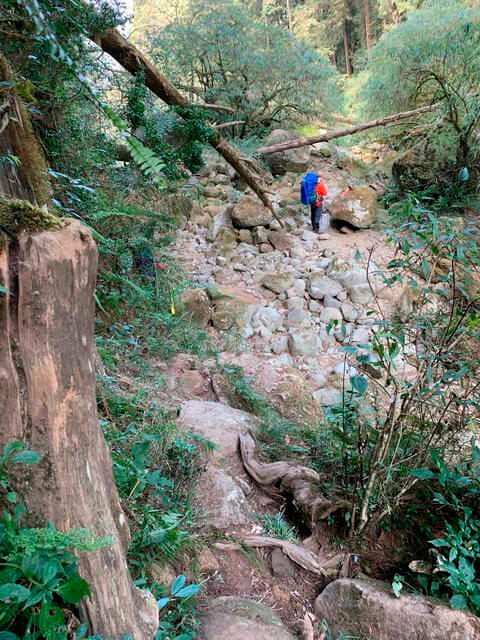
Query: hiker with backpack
x=313, y=192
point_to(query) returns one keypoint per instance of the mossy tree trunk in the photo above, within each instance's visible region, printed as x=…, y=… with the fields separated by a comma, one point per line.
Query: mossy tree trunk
x=47, y=383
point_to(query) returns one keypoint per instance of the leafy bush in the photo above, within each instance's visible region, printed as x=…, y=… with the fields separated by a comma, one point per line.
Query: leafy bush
x=432, y=58
x=456, y=575
x=154, y=469
x=179, y=620
x=39, y=580
x=231, y=57
x=389, y=421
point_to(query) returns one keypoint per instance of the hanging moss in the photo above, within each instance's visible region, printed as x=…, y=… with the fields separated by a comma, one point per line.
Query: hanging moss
x=21, y=215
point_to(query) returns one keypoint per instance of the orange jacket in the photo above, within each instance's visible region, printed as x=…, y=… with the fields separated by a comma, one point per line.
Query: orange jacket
x=321, y=191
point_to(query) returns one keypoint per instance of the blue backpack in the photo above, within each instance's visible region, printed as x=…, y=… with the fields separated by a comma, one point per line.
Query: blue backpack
x=309, y=182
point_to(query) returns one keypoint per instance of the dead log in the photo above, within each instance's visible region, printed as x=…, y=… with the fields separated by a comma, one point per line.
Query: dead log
x=47, y=389
x=301, y=483
x=225, y=125
x=133, y=60
x=339, y=133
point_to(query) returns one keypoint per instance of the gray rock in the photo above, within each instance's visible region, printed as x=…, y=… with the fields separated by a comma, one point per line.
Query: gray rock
x=327, y=337
x=360, y=335
x=331, y=314
x=343, y=331
x=245, y=235
x=298, y=318
x=279, y=344
x=368, y=609
x=329, y=397
x=281, y=565
x=349, y=311
x=328, y=301
x=266, y=317
x=232, y=618
x=349, y=277
x=361, y=294
x=304, y=343
x=295, y=160
x=204, y=417
x=260, y=235
x=281, y=240
x=357, y=206
x=296, y=302
x=320, y=286
x=321, y=150
x=220, y=500
x=319, y=379
x=278, y=282
x=314, y=306
x=309, y=236
x=220, y=220
x=249, y=212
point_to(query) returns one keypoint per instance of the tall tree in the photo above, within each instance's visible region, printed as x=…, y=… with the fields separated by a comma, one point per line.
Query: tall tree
x=366, y=15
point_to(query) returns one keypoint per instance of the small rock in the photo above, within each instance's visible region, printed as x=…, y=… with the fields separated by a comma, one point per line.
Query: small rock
x=266, y=317
x=278, y=282
x=298, y=318
x=361, y=335
x=245, y=235
x=329, y=397
x=250, y=212
x=304, y=343
x=196, y=303
x=315, y=306
x=319, y=379
x=281, y=565
x=207, y=562
x=266, y=248
x=361, y=294
x=331, y=314
x=349, y=311
x=320, y=286
x=280, y=240
x=329, y=301
x=279, y=344
x=295, y=303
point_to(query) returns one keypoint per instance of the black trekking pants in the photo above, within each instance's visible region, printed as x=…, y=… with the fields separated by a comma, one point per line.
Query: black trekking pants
x=316, y=213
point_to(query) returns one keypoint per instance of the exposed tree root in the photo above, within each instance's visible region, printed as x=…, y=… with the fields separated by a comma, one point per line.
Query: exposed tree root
x=301, y=483
x=298, y=554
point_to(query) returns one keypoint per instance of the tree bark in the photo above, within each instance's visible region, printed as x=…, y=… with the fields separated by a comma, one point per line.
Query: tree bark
x=133, y=61
x=366, y=15
x=289, y=15
x=339, y=133
x=47, y=389
x=346, y=49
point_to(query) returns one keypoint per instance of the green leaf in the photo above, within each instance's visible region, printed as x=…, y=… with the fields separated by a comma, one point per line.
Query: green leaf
x=7, y=635
x=74, y=589
x=51, y=622
x=162, y=602
x=3, y=289
x=177, y=584
x=463, y=174
x=397, y=585
x=423, y=474
x=458, y=602
x=11, y=446
x=27, y=457
x=189, y=591
x=12, y=591
x=12, y=497
x=81, y=631
x=359, y=383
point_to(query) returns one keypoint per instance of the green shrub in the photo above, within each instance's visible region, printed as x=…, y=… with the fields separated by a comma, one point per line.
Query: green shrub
x=39, y=579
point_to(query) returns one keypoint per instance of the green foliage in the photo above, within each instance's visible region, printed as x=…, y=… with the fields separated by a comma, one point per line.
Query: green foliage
x=38, y=573
x=276, y=436
x=432, y=58
x=154, y=469
x=457, y=548
x=276, y=526
x=235, y=59
x=177, y=603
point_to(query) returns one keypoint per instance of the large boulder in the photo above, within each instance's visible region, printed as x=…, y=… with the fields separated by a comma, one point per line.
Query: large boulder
x=232, y=618
x=294, y=160
x=356, y=206
x=249, y=212
x=234, y=308
x=218, y=423
x=368, y=609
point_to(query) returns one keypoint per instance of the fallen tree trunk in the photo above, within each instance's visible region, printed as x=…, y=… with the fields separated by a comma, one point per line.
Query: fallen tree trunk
x=133, y=60
x=339, y=133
